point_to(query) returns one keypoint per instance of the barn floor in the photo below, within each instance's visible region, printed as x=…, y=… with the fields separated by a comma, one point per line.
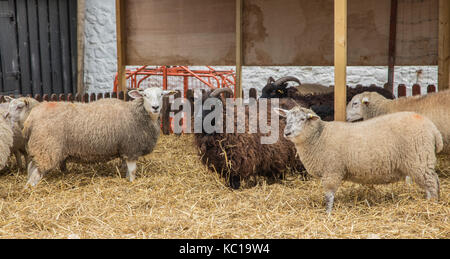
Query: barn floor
x=174, y=196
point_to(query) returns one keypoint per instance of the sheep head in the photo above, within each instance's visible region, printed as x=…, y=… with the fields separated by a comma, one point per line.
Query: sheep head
x=277, y=89
x=152, y=98
x=298, y=120
x=19, y=109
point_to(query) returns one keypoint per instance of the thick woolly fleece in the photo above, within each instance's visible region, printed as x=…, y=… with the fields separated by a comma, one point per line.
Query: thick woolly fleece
x=314, y=89
x=378, y=151
x=19, y=142
x=6, y=141
x=241, y=155
x=434, y=106
x=94, y=132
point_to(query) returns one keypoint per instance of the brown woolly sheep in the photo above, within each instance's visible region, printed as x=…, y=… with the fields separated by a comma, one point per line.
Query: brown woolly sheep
x=241, y=155
x=382, y=150
x=93, y=132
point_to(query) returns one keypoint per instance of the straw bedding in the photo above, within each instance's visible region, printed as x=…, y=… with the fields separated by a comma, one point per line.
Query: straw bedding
x=175, y=196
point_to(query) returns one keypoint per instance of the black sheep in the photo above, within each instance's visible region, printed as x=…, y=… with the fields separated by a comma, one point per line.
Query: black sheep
x=321, y=104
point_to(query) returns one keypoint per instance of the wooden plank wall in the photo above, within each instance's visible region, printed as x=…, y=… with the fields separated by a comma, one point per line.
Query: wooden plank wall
x=9, y=65
x=173, y=32
x=281, y=32
x=303, y=34
x=47, y=46
x=444, y=45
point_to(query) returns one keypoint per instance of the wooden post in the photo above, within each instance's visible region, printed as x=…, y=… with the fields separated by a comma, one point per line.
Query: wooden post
x=165, y=81
x=81, y=11
x=239, y=56
x=444, y=45
x=340, y=59
x=121, y=45
x=392, y=44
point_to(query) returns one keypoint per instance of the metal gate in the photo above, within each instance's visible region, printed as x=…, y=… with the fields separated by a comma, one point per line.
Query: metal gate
x=38, y=46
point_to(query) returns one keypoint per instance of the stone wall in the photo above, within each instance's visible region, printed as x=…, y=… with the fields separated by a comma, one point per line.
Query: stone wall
x=101, y=66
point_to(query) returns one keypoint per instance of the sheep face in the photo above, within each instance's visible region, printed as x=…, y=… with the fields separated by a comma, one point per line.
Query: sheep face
x=272, y=91
x=18, y=110
x=356, y=106
x=153, y=98
x=297, y=120
x=278, y=88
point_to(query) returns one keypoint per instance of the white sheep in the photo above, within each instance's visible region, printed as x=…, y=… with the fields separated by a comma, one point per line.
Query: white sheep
x=93, y=132
x=18, y=148
x=6, y=141
x=434, y=106
x=378, y=151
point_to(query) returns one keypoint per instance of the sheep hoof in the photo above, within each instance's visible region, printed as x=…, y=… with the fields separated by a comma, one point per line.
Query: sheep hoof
x=131, y=170
x=408, y=180
x=130, y=177
x=235, y=182
x=330, y=202
x=34, y=176
x=63, y=166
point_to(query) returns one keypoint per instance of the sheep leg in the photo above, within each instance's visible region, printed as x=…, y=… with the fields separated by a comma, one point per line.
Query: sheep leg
x=63, y=166
x=329, y=197
x=123, y=167
x=426, y=178
x=330, y=186
x=27, y=160
x=235, y=182
x=34, y=176
x=131, y=172
x=430, y=183
x=18, y=156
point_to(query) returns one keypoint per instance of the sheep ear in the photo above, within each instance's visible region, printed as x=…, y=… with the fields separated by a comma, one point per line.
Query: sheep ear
x=169, y=92
x=313, y=117
x=365, y=100
x=8, y=98
x=281, y=112
x=135, y=94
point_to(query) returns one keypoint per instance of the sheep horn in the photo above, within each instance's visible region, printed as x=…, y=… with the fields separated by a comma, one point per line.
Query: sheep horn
x=285, y=79
x=270, y=80
x=218, y=91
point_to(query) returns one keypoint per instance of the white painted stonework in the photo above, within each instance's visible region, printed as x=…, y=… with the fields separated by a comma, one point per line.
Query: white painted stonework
x=101, y=67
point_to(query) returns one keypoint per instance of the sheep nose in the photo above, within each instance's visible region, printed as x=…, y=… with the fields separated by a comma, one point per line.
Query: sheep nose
x=155, y=107
x=287, y=134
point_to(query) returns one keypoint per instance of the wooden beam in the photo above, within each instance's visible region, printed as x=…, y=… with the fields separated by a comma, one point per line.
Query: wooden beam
x=392, y=44
x=81, y=14
x=121, y=45
x=239, y=56
x=340, y=59
x=444, y=45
